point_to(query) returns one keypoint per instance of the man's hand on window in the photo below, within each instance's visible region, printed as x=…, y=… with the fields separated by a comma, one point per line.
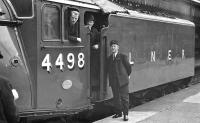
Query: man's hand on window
x=79, y=40
x=96, y=46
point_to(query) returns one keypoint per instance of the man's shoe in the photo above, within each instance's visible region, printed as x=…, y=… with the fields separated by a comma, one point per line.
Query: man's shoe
x=117, y=115
x=125, y=117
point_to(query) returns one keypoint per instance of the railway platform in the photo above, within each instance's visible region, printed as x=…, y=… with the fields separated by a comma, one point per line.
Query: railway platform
x=179, y=107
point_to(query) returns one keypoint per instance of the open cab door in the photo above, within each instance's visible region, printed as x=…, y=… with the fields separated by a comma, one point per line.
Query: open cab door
x=105, y=90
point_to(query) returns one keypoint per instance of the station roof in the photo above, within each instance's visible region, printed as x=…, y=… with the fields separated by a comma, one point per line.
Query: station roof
x=105, y=5
x=85, y=1
x=196, y=1
x=135, y=14
x=108, y=7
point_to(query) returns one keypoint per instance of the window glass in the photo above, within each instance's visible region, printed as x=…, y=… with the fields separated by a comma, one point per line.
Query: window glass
x=23, y=8
x=51, y=23
x=71, y=22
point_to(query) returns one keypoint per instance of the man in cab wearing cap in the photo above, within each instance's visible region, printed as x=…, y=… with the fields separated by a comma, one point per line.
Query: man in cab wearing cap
x=94, y=34
x=118, y=71
x=74, y=27
x=95, y=55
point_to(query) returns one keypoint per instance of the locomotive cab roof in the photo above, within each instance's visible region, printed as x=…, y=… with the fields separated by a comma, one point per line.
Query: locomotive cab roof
x=112, y=8
x=24, y=9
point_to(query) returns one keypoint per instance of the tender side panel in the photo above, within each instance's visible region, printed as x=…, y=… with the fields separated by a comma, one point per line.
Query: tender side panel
x=162, y=52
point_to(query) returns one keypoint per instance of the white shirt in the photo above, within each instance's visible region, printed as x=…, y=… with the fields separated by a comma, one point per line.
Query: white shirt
x=116, y=54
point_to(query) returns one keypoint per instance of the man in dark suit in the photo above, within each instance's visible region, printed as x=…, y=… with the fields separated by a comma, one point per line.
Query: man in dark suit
x=94, y=56
x=7, y=105
x=119, y=70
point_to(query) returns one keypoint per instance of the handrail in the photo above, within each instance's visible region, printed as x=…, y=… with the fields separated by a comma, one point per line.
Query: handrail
x=10, y=23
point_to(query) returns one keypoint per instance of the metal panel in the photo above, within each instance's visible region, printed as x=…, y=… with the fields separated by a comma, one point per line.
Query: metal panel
x=162, y=52
x=14, y=68
x=67, y=88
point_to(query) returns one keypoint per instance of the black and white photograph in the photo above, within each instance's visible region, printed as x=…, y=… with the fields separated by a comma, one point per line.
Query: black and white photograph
x=99, y=61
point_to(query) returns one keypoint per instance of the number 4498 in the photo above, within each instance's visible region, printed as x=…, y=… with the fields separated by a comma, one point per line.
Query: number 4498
x=46, y=63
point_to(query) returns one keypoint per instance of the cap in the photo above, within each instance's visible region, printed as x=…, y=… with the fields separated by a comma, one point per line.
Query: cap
x=74, y=13
x=114, y=42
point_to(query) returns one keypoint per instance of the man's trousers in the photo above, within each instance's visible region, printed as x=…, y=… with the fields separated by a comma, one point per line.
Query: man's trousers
x=120, y=98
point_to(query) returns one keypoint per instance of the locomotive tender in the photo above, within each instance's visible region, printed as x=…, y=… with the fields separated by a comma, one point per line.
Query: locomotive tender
x=52, y=75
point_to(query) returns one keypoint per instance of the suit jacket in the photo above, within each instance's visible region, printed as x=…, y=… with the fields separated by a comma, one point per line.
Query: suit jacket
x=7, y=106
x=73, y=32
x=119, y=69
x=94, y=36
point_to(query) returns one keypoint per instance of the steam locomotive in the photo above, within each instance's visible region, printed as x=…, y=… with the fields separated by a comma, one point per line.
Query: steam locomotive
x=52, y=76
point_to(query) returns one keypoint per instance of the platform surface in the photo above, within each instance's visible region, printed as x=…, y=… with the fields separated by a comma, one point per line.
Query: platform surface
x=179, y=107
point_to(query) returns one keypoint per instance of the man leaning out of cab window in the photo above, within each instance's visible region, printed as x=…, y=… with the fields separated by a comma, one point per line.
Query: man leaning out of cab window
x=74, y=27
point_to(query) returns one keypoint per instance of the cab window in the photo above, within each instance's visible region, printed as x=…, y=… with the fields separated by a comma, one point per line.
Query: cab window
x=71, y=24
x=51, y=23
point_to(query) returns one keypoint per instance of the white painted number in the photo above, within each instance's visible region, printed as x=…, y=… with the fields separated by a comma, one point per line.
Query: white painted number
x=70, y=60
x=59, y=61
x=81, y=61
x=46, y=62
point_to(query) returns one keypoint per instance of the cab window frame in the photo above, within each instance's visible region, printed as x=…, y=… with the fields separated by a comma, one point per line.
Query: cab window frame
x=66, y=20
x=59, y=22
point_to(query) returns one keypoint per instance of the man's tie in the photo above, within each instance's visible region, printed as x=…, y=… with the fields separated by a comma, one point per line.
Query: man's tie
x=113, y=56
